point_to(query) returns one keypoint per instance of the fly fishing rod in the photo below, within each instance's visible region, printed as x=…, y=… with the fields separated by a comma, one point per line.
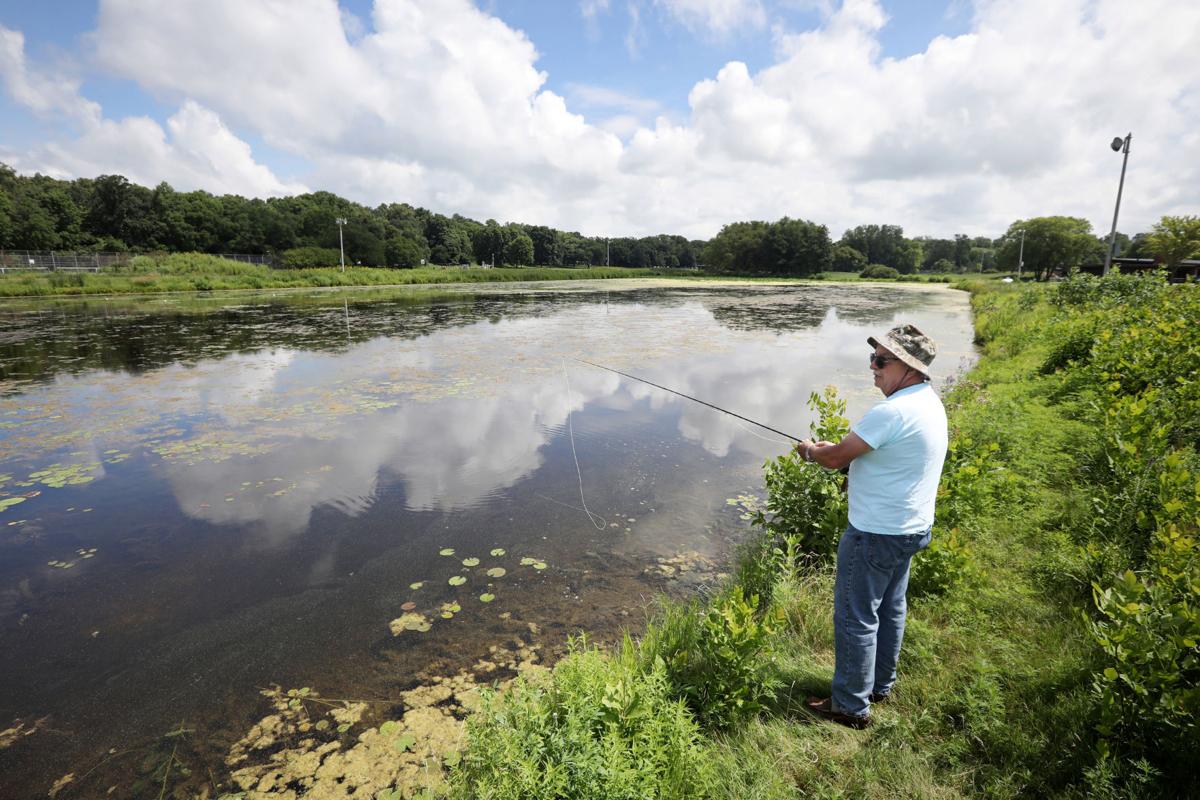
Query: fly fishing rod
x=689, y=397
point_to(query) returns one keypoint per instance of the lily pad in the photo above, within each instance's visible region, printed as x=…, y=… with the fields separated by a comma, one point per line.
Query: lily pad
x=527, y=561
x=453, y=608
x=404, y=742
x=497, y=572
x=410, y=621
x=457, y=580
x=409, y=606
x=499, y=551
x=10, y=501
x=487, y=597
x=540, y=565
x=417, y=585
x=446, y=551
x=470, y=562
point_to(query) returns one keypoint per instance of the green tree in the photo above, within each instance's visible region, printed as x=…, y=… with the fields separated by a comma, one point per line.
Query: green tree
x=1051, y=244
x=1172, y=239
x=933, y=251
x=547, y=246
x=488, y=242
x=847, y=259
x=884, y=244
x=6, y=223
x=736, y=247
x=796, y=247
x=401, y=251
x=519, y=251
x=449, y=241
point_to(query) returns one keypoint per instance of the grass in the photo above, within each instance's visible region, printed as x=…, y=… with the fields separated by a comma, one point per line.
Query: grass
x=995, y=694
x=192, y=272
x=196, y=272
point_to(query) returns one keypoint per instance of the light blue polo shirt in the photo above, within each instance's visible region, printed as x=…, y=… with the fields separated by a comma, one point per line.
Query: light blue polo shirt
x=893, y=486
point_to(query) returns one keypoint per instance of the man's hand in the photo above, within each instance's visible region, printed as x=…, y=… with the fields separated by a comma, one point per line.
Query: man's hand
x=830, y=455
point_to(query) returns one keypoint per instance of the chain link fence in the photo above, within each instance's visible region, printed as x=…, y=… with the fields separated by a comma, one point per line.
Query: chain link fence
x=55, y=261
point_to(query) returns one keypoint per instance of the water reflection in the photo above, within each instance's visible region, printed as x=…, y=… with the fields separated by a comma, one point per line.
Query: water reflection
x=262, y=483
x=456, y=409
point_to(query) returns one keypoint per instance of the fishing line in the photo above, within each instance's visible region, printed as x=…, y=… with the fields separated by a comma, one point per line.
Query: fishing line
x=689, y=397
x=758, y=435
x=571, y=429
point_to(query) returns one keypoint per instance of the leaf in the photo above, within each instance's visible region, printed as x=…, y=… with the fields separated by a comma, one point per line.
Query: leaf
x=417, y=585
x=404, y=742
x=487, y=597
x=457, y=580
x=446, y=551
x=499, y=551
x=470, y=562
x=497, y=572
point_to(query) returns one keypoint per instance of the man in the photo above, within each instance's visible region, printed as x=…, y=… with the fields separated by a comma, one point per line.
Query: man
x=895, y=454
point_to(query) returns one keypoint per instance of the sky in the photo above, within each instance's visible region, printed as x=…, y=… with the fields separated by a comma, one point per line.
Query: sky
x=624, y=117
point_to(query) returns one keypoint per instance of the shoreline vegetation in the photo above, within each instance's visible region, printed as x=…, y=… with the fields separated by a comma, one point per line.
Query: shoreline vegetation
x=195, y=272
x=1052, y=641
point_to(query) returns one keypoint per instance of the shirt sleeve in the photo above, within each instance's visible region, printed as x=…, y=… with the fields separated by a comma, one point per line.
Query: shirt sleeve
x=878, y=426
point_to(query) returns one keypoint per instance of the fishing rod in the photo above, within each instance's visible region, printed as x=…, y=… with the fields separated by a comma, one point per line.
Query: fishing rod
x=689, y=397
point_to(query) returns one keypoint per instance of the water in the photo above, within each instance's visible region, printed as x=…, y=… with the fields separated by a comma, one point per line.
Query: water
x=220, y=498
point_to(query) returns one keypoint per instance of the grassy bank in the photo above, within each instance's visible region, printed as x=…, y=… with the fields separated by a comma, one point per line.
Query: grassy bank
x=1052, y=640
x=192, y=272
x=195, y=272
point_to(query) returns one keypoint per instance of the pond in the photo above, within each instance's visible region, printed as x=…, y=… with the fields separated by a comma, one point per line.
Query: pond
x=200, y=499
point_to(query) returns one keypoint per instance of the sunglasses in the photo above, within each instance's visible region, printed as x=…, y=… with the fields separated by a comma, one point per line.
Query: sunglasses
x=880, y=361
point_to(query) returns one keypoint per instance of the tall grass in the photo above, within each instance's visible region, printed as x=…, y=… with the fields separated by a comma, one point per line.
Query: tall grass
x=192, y=272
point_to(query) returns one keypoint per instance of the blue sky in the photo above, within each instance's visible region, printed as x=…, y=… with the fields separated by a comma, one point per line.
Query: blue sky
x=625, y=116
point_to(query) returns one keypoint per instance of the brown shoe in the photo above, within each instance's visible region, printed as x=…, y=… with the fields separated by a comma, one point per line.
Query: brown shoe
x=823, y=707
x=876, y=699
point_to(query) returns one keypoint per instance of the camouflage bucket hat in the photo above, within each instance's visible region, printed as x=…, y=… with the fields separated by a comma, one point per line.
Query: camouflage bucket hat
x=908, y=344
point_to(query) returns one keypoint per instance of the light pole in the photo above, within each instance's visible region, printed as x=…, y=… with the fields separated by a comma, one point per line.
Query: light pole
x=1021, y=257
x=341, y=247
x=1118, y=145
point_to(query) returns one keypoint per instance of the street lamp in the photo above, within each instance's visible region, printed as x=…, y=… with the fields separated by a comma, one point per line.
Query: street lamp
x=1021, y=257
x=1118, y=145
x=341, y=247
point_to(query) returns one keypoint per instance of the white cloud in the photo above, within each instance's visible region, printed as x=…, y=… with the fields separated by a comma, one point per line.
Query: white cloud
x=716, y=17
x=590, y=9
x=443, y=105
x=44, y=95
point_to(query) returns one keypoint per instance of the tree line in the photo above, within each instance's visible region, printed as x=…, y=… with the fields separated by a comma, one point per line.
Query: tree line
x=110, y=213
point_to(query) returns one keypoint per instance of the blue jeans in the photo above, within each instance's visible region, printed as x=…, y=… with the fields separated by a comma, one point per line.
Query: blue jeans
x=868, y=614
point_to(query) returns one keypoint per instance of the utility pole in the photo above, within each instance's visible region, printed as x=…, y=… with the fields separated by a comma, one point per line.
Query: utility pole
x=341, y=247
x=1021, y=257
x=1118, y=145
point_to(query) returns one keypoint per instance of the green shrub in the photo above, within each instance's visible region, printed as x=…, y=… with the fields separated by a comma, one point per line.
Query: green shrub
x=1148, y=626
x=806, y=507
x=717, y=658
x=597, y=727
x=306, y=257
x=943, y=565
x=879, y=271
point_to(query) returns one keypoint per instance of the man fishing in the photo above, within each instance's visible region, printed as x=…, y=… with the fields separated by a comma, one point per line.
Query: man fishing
x=895, y=454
